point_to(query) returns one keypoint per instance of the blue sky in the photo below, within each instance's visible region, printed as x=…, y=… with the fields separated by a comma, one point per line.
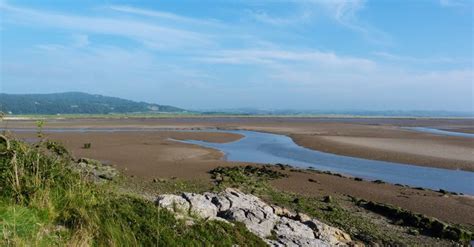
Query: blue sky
x=308, y=54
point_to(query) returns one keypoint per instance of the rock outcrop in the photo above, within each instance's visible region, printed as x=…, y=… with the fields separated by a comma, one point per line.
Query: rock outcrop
x=278, y=226
x=95, y=170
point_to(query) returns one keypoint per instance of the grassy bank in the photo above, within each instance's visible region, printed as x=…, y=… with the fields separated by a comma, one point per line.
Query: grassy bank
x=45, y=202
x=368, y=222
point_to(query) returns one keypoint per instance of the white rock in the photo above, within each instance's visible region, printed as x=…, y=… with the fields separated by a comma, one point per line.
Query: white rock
x=256, y=221
x=200, y=205
x=329, y=234
x=260, y=218
x=297, y=242
x=173, y=203
x=286, y=228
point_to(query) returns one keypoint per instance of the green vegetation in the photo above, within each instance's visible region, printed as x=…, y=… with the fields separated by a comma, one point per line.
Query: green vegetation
x=427, y=225
x=255, y=180
x=340, y=212
x=44, y=202
x=75, y=103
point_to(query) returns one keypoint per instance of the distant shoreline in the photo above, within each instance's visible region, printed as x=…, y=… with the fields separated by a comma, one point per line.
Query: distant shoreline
x=195, y=115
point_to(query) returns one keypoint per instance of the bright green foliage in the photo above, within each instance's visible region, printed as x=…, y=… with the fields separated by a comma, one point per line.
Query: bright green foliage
x=45, y=203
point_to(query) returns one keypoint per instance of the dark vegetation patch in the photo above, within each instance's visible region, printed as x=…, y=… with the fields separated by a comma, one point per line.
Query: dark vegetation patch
x=245, y=175
x=335, y=211
x=254, y=179
x=426, y=225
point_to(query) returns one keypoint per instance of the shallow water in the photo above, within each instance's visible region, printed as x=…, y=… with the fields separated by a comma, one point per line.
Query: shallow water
x=441, y=132
x=267, y=148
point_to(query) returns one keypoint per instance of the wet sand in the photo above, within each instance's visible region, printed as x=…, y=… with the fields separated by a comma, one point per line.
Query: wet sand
x=450, y=208
x=370, y=138
x=149, y=155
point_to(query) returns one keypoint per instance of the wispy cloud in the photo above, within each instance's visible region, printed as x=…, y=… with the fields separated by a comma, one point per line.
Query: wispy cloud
x=275, y=56
x=453, y=3
x=145, y=32
x=344, y=12
x=399, y=58
x=80, y=40
x=162, y=15
x=264, y=17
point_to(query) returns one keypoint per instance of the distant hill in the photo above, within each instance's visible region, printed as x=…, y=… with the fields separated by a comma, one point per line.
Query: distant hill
x=75, y=103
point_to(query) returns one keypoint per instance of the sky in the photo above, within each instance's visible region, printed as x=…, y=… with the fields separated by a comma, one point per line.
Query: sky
x=202, y=54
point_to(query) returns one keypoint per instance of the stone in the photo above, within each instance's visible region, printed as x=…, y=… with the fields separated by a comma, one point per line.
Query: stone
x=173, y=203
x=297, y=242
x=276, y=225
x=97, y=171
x=301, y=217
x=200, y=205
x=256, y=221
x=287, y=227
x=283, y=212
x=328, y=234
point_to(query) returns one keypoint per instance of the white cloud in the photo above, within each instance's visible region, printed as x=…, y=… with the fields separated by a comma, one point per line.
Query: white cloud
x=344, y=12
x=145, y=32
x=279, y=56
x=163, y=15
x=452, y=3
x=398, y=58
x=80, y=40
x=264, y=17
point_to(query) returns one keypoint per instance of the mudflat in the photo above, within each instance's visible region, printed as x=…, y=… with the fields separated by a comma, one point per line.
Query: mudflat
x=158, y=154
x=370, y=138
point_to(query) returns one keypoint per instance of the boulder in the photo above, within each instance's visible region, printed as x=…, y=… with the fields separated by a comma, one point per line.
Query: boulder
x=173, y=203
x=291, y=228
x=200, y=205
x=276, y=225
x=95, y=169
x=258, y=222
x=329, y=234
x=257, y=216
x=283, y=212
x=297, y=242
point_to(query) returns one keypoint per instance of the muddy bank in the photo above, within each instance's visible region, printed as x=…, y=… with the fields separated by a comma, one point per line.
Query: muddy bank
x=451, y=208
x=357, y=137
x=151, y=155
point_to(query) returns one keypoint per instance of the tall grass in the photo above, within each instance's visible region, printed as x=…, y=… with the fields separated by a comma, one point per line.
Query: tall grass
x=44, y=202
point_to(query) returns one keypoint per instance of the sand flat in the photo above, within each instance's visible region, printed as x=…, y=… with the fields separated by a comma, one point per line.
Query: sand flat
x=148, y=155
x=332, y=135
x=414, y=146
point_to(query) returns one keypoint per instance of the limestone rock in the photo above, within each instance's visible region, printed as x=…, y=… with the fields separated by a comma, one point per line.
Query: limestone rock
x=173, y=203
x=288, y=227
x=200, y=205
x=256, y=221
x=297, y=242
x=276, y=225
x=329, y=234
x=95, y=169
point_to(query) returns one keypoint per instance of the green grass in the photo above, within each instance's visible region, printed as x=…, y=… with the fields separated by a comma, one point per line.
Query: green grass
x=45, y=203
x=339, y=212
x=255, y=180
